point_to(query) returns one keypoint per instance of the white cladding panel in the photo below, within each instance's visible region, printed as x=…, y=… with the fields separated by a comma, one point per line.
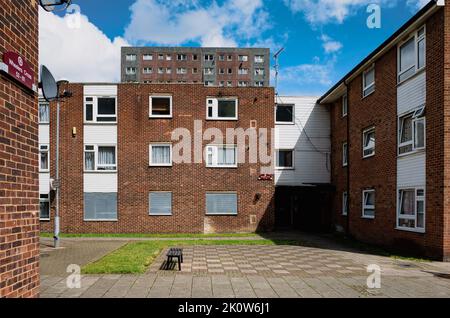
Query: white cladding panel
x=44, y=134
x=311, y=132
x=100, y=182
x=44, y=183
x=100, y=90
x=411, y=170
x=411, y=94
x=100, y=134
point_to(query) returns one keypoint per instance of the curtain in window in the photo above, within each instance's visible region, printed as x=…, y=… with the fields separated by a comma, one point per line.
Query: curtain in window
x=160, y=203
x=100, y=206
x=160, y=155
x=221, y=203
x=408, y=203
x=107, y=157
x=44, y=113
x=226, y=156
x=44, y=160
x=89, y=160
x=407, y=130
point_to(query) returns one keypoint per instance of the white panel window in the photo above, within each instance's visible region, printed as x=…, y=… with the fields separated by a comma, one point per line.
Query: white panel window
x=131, y=57
x=209, y=83
x=243, y=58
x=411, y=55
x=181, y=57
x=160, y=70
x=100, y=158
x=181, y=70
x=284, y=114
x=284, y=159
x=242, y=84
x=344, y=105
x=221, y=57
x=168, y=70
x=242, y=71
x=412, y=132
x=259, y=84
x=259, y=71
x=44, y=158
x=147, y=70
x=160, y=155
x=130, y=71
x=221, y=156
x=44, y=112
x=147, y=57
x=229, y=58
x=369, y=142
x=369, y=81
x=44, y=207
x=368, y=204
x=160, y=57
x=160, y=106
x=222, y=108
x=168, y=57
x=160, y=203
x=345, y=203
x=411, y=209
x=344, y=154
x=209, y=57
x=221, y=203
x=259, y=58
x=100, y=109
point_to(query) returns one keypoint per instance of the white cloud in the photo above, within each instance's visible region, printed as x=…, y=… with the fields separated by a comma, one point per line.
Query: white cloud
x=167, y=22
x=417, y=4
x=331, y=11
x=79, y=54
x=330, y=45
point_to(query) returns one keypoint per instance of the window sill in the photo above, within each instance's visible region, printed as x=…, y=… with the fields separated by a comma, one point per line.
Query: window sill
x=220, y=214
x=100, y=220
x=285, y=123
x=282, y=169
x=369, y=156
x=44, y=171
x=153, y=215
x=160, y=117
x=44, y=124
x=101, y=171
x=100, y=123
x=369, y=94
x=222, y=119
x=160, y=166
x=368, y=217
x=44, y=220
x=405, y=229
x=414, y=152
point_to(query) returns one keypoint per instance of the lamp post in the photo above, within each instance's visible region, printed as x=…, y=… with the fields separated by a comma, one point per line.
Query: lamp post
x=54, y=5
x=62, y=93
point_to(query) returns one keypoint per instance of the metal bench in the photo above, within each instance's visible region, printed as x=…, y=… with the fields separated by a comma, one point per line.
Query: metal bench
x=175, y=253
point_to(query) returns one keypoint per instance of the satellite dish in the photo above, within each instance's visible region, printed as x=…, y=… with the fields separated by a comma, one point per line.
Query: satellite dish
x=48, y=84
x=51, y=5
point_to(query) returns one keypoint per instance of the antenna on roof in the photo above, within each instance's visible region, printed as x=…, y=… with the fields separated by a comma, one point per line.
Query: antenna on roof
x=277, y=68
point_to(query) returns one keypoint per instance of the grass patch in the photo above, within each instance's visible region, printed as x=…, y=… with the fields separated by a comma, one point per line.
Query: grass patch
x=137, y=235
x=135, y=257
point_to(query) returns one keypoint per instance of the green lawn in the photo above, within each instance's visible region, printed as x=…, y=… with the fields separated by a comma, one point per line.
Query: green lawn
x=135, y=257
x=137, y=235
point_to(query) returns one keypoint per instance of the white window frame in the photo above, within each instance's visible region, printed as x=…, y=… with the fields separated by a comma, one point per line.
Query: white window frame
x=209, y=83
x=285, y=122
x=367, y=89
x=168, y=70
x=160, y=57
x=345, y=154
x=368, y=207
x=242, y=71
x=147, y=70
x=344, y=105
x=44, y=148
x=411, y=217
x=213, y=151
x=213, y=102
x=259, y=83
x=147, y=57
x=242, y=84
x=49, y=208
x=160, y=164
x=131, y=57
x=259, y=72
x=259, y=58
x=95, y=111
x=243, y=58
x=345, y=203
x=96, y=158
x=208, y=71
x=42, y=102
x=417, y=116
x=150, y=109
x=364, y=147
x=130, y=70
x=417, y=40
x=181, y=57
x=293, y=159
x=181, y=70
x=209, y=57
x=168, y=57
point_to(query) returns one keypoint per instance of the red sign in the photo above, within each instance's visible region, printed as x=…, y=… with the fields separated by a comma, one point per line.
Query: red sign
x=18, y=68
x=266, y=177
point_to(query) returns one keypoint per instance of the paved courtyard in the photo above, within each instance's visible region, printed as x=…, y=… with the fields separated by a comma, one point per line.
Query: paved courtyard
x=247, y=272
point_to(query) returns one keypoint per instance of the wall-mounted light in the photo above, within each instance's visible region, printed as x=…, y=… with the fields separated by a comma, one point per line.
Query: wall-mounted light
x=74, y=132
x=54, y=5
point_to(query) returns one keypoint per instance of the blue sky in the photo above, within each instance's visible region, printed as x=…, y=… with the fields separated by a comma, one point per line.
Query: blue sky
x=323, y=39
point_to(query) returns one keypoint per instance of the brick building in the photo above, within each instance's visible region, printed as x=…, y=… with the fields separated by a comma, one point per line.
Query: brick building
x=119, y=173
x=225, y=67
x=19, y=217
x=391, y=139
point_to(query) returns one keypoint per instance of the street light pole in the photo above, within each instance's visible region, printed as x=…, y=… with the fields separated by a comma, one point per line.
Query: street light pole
x=56, y=234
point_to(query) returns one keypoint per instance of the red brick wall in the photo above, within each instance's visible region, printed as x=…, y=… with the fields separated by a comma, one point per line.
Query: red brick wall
x=188, y=182
x=379, y=172
x=19, y=203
